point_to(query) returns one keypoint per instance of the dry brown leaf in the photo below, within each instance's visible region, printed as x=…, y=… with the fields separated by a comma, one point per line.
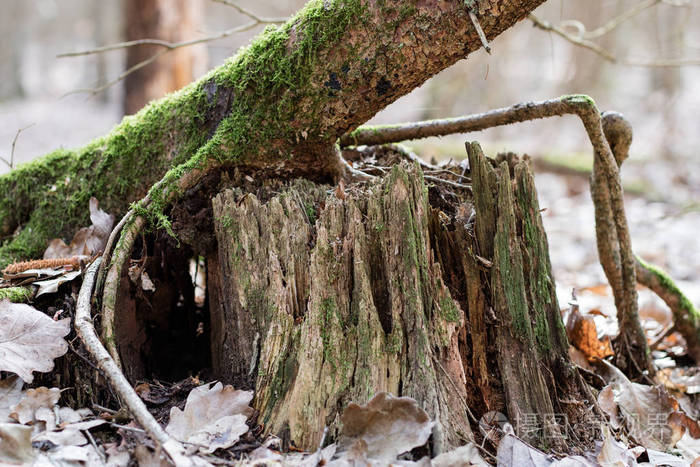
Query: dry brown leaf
x=69, y=456
x=29, y=340
x=513, y=451
x=88, y=240
x=387, y=425
x=147, y=458
x=664, y=459
x=606, y=401
x=688, y=447
x=116, y=456
x=264, y=454
x=579, y=359
x=600, y=289
x=678, y=419
x=681, y=379
x=646, y=411
x=69, y=416
x=584, y=336
x=10, y=395
x=62, y=438
x=33, y=401
x=52, y=285
x=213, y=418
x=16, y=444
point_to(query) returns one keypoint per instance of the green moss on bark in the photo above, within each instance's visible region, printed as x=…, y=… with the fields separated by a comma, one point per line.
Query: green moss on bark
x=49, y=197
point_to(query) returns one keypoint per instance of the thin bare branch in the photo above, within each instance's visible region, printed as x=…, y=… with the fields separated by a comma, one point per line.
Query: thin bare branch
x=579, y=41
x=123, y=75
x=11, y=162
x=249, y=13
x=582, y=38
x=118, y=46
x=620, y=19
x=86, y=331
x=167, y=47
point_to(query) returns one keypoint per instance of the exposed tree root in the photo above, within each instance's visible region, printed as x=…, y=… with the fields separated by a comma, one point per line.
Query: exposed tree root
x=618, y=134
x=685, y=316
x=615, y=236
x=86, y=331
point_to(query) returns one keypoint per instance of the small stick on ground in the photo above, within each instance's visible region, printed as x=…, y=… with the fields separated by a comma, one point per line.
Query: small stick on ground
x=87, y=334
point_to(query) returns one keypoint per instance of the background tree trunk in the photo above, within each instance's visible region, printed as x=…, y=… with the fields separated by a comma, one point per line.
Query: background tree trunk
x=171, y=21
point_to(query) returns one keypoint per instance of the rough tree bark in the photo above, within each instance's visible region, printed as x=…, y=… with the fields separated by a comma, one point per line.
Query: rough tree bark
x=315, y=299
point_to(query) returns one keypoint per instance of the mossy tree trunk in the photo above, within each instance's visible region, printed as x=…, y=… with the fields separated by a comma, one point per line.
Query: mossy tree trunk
x=276, y=107
x=321, y=299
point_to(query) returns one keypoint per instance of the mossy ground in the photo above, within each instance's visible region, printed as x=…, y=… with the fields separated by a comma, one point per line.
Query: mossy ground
x=17, y=294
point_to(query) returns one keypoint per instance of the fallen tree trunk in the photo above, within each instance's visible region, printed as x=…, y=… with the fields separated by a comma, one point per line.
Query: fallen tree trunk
x=277, y=107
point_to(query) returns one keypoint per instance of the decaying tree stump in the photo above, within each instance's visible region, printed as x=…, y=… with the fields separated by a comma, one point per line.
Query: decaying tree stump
x=319, y=297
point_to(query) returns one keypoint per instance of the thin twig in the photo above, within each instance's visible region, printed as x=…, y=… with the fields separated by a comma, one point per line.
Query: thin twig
x=99, y=452
x=11, y=162
x=102, y=408
x=581, y=41
x=479, y=31
x=249, y=13
x=613, y=23
x=618, y=20
x=86, y=332
x=167, y=47
x=447, y=182
x=126, y=427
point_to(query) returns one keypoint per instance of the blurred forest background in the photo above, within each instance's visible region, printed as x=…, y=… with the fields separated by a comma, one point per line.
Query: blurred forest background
x=663, y=104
